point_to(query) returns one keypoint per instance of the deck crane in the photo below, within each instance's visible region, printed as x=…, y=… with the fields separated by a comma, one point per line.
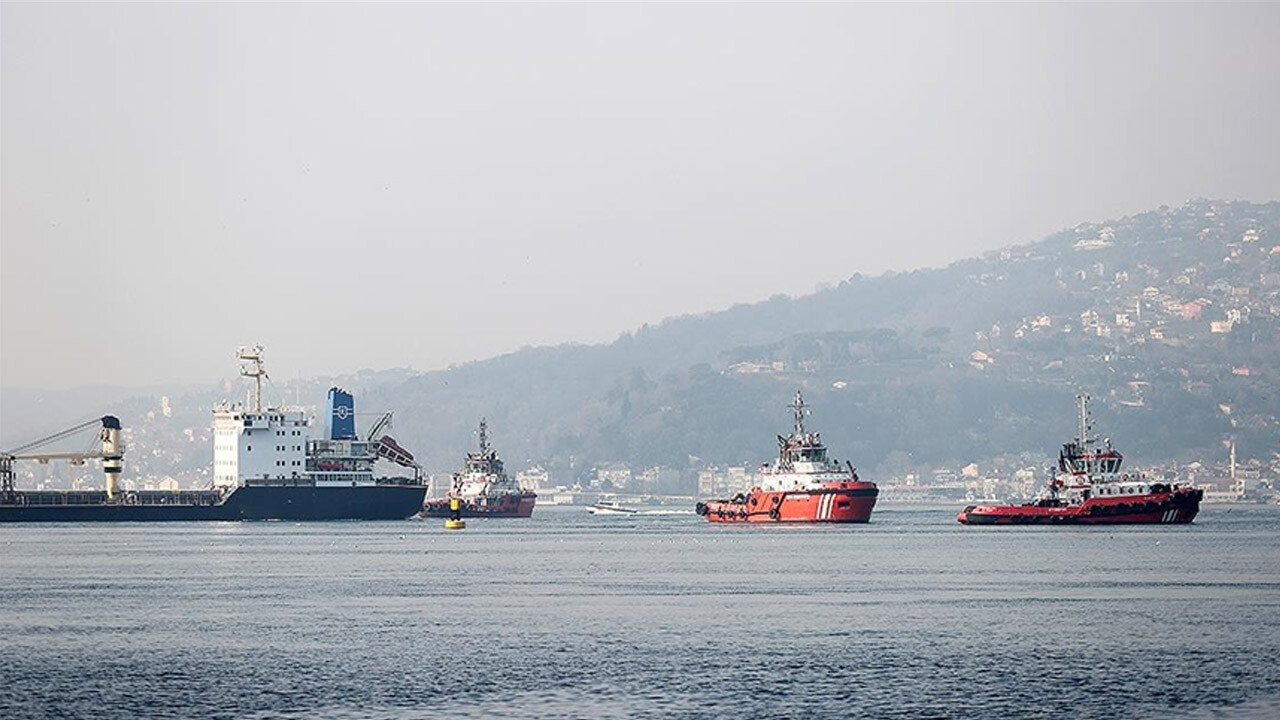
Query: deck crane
x=389, y=449
x=111, y=453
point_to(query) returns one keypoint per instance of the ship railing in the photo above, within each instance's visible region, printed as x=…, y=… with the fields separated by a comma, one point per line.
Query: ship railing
x=62, y=498
x=398, y=480
x=300, y=481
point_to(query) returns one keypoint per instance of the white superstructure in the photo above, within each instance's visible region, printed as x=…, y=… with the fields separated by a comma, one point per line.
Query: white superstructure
x=269, y=444
x=802, y=460
x=273, y=446
x=258, y=443
x=483, y=478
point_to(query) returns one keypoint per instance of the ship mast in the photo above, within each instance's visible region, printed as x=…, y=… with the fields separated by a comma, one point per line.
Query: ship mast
x=800, y=410
x=256, y=371
x=484, y=436
x=1086, y=424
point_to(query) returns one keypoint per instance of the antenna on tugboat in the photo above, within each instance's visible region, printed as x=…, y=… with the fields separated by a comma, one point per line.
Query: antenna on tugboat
x=798, y=407
x=1086, y=425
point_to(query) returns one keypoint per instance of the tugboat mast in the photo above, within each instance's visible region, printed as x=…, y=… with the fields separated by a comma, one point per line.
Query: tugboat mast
x=800, y=410
x=1086, y=424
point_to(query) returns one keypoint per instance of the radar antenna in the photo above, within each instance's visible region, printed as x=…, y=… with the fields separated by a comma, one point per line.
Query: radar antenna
x=799, y=409
x=254, y=369
x=1086, y=423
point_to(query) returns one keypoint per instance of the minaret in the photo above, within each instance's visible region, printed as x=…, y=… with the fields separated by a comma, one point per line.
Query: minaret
x=1233, y=465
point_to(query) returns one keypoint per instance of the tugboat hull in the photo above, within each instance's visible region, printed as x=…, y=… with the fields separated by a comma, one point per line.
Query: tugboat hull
x=1178, y=507
x=803, y=485
x=506, y=506
x=846, y=502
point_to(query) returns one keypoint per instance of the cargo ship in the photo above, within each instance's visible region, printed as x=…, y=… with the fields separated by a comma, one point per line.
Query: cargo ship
x=266, y=467
x=1090, y=487
x=484, y=488
x=802, y=485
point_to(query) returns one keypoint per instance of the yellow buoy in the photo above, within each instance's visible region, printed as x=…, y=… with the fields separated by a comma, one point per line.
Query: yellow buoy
x=455, y=521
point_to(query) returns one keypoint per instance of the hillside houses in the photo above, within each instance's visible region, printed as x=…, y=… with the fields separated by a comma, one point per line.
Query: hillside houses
x=1209, y=297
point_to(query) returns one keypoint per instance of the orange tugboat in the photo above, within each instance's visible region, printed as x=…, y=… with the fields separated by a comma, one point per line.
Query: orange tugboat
x=1091, y=489
x=484, y=488
x=801, y=486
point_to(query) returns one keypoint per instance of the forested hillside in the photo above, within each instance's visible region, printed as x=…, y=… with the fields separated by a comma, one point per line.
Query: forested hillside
x=1170, y=319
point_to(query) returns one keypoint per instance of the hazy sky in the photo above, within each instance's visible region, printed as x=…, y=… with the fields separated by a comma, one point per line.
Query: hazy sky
x=417, y=185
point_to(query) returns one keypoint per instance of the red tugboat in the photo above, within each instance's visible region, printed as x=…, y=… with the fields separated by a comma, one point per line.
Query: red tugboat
x=484, y=488
x=1091, y=489
x=802, y=486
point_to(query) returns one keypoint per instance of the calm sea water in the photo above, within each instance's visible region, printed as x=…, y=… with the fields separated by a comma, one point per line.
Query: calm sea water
x=570, y=615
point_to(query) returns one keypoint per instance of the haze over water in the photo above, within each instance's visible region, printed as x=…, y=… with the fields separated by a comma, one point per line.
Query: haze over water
x=377, y=185
x=569, y=615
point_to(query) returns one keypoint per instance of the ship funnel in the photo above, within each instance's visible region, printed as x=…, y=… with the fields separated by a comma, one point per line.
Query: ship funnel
x=340, y=415
x=112, y=453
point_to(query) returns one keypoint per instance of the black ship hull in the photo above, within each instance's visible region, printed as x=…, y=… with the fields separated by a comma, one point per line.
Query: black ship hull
x=261, y=502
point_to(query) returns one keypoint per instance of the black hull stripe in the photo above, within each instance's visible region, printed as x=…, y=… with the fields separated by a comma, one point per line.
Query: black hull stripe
x=246, y=503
